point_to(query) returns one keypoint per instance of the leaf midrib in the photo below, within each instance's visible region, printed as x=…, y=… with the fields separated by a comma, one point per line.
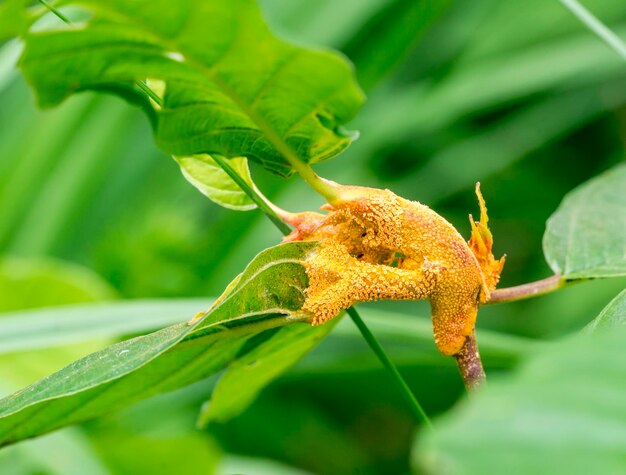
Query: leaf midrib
x=277, y=141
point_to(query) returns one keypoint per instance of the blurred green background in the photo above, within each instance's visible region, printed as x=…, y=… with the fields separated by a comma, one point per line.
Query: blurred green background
x=517, y=95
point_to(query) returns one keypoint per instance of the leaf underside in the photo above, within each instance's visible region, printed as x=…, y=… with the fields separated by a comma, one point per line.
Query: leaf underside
x=203, y=172
x=232, y=88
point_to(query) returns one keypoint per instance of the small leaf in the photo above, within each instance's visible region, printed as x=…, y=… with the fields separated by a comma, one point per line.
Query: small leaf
x=586, y=236
x=205, y=174
x=562, y=413
x=611, y=316
x=214, y=183
x=268, y=294
x=248, y=375
x=235, y=91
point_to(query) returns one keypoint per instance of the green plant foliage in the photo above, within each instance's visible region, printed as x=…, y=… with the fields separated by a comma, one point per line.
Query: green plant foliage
x=214, y=183
x=267, y=294
x=245, y=377
x=585, y=237
x=525, y=100
x=612, y=316
x=561, y=413
x=236, y=92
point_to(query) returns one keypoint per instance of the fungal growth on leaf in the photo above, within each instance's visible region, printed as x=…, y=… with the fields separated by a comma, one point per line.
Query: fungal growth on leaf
x=377, y=245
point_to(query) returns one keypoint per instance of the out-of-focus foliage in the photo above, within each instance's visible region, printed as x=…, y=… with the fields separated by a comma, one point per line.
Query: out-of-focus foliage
x=515, y=94
x=560, y=413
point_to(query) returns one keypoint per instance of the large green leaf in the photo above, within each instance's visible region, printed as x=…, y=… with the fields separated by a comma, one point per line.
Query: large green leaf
x=562, y=413
x=232, y=88
x=611, y=316
x=586, y=236
x=269, y=293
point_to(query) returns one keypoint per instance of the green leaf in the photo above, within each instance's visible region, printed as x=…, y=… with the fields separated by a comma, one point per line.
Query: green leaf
x=235, y=91
x=214, y=183
x=562, y=413
x=611, y=316
x=585, y=237
x=206, y=174
x=268, y=294
x=247, y=376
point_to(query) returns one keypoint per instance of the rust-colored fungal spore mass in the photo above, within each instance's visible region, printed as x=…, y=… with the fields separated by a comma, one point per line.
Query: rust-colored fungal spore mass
x=377, y=245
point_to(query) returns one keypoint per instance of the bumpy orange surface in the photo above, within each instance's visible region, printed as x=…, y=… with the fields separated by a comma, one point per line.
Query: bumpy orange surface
x=377, y=245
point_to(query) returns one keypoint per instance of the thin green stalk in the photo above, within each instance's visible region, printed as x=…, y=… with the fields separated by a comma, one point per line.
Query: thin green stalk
x=596, y=26
x=326, y=189
x=253, y=194
x=149, y=92
x=374, y=344
x=56, y=12
x=529, y=290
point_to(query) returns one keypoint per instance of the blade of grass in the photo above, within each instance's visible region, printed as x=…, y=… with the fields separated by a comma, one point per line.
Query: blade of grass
x=596, y=26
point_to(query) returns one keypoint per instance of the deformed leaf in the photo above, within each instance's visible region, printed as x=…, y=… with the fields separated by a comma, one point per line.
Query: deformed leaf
x=213, y=182
x=268, y=294
x=611, y=316
x=232, y=88
x=562, y=413
x=586, y=236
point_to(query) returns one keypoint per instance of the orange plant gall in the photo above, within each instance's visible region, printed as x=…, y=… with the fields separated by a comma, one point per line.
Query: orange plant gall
x=377, y=245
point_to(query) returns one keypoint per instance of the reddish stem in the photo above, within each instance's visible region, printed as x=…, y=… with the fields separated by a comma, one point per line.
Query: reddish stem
x=525, y=291
x=470, y=365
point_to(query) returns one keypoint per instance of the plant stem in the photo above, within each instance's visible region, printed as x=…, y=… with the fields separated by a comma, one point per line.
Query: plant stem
x=596, y=26
x=56, y=12
x=326, y=188
x=470, y=365
x=149, y=92
x=253, y=194
x=374, y=344
x=526, y=291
